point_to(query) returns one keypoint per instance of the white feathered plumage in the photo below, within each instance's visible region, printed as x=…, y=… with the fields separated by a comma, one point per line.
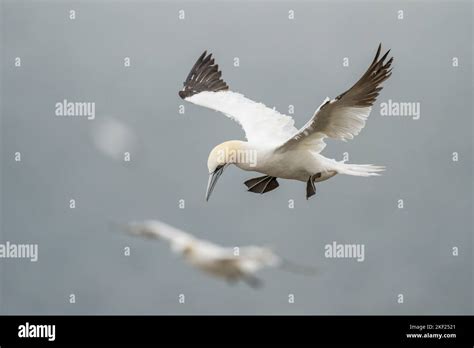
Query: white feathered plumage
x=213, y=259
x=282, y=150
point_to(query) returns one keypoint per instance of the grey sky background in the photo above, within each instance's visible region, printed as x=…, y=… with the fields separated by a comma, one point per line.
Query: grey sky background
x=407, y=251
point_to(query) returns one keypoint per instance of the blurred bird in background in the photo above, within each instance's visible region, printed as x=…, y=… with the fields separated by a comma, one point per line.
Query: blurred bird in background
x=230, y=264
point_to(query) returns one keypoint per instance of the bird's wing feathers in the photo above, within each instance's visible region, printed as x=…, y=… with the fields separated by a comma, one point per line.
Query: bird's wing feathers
x=159, y=230
x=262, y=124
x=204, y=76
x=344, y=117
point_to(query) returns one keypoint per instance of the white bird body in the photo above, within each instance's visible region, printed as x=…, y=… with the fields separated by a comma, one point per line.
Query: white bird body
x=218, y=261
x=223, y=263
x=276, y=148
x=297, y=164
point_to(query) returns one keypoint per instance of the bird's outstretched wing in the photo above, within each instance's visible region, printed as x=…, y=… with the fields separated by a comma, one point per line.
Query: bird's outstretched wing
x=178, y=239
x=205, y=87
x=343, y=117
x=158, y=230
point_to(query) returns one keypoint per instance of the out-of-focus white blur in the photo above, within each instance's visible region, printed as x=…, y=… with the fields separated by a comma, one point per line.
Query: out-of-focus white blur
x=114, y=138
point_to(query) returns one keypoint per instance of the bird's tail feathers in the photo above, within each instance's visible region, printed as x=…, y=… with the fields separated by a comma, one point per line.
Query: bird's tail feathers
x=360, y=169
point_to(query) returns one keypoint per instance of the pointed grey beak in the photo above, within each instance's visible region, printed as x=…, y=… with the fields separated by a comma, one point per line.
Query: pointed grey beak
x=213, y=177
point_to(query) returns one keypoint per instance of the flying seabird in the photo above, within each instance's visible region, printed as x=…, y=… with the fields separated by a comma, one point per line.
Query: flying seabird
x=274, y=146
x=218, y=261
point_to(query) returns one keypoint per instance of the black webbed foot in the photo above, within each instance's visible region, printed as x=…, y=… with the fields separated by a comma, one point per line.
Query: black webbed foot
x=310, y=187
x=262, y=184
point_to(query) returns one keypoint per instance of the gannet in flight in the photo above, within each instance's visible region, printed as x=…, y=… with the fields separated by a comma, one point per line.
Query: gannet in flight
x=275, y=147
x=213, y=259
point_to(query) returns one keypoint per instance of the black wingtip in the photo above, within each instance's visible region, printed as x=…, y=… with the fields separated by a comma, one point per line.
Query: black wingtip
x=202, y=57
x=204, y=76
x=377, y=54
x=384, y=56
